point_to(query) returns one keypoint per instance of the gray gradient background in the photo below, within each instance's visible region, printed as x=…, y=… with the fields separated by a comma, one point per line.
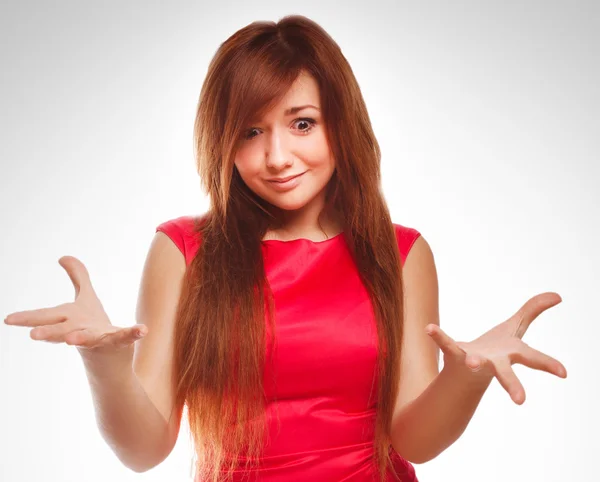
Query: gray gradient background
x=487, y=115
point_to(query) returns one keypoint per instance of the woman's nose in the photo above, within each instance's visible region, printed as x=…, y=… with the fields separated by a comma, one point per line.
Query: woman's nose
x=277, y=153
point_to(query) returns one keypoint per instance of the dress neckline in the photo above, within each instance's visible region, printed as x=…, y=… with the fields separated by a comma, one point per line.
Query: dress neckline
x=305, y=240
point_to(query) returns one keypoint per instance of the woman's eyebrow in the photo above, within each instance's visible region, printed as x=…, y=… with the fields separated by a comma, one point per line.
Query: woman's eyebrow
x=293, y=110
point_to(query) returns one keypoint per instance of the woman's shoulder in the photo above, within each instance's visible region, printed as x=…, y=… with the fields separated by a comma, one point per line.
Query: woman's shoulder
x=406, y=236
x=182, y=230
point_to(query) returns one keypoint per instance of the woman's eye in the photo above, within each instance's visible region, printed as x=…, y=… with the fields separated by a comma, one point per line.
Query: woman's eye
x=305, y=125
x=306, y=120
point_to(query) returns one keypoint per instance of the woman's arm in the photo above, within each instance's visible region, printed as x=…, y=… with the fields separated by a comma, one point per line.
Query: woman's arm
x=433, y=421
x=128, y=420
x=134, y=393
x=433, y=409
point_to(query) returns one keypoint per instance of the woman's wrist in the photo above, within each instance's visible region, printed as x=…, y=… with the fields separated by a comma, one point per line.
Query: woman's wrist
x=113, y=364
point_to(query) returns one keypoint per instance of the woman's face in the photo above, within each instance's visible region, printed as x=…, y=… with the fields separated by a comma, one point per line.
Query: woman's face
x=284, y=144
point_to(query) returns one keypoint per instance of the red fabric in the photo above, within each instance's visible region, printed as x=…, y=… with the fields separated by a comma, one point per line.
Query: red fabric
x=325, y=361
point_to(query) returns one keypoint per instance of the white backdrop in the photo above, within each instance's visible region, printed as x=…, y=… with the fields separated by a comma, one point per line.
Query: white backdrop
x=487, y=115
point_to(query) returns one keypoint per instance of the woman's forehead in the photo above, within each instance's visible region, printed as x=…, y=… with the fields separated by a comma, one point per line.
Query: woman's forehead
x=297, y=100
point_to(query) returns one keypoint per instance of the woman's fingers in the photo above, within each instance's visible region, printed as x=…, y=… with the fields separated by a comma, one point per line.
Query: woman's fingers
x=118, y=338
x=532, y=358
x=39, y=317
x=531, y=310
x=127, y=336
x=61, y=325
x=78, y=274
x=509, y=381
x=446, y=344
x=82, y=323
x=84, y=338
x=51, y=333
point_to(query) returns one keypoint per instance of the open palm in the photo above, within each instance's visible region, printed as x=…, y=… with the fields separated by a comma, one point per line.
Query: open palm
x=82, y=323
x=494, y=352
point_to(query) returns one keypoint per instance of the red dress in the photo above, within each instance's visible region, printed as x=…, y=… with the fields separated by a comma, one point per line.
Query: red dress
x=325, y=360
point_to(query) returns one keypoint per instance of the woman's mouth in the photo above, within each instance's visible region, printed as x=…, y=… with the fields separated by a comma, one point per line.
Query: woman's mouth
x=287, y=184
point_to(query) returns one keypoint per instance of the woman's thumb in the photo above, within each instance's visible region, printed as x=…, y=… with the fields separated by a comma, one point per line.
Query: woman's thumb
x=474, y=362
x=136, y=332
x=77, y=272
x=127, y=336
x=140, y=330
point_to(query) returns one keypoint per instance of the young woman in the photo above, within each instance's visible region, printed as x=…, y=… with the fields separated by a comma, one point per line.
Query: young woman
x=296, y=322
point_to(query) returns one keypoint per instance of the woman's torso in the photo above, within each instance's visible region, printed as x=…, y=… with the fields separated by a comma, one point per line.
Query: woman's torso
x=321, y=386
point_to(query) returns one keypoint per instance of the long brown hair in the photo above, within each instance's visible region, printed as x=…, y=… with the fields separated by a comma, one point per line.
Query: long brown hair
x=220, y=338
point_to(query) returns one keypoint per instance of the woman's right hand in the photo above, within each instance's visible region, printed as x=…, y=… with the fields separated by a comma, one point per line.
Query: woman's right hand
x=82, y=323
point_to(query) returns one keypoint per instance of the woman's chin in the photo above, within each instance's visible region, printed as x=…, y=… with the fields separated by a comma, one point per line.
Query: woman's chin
x=288, y=204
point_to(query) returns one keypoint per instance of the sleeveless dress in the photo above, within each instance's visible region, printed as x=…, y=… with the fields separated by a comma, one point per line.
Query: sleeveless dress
x=324, y=363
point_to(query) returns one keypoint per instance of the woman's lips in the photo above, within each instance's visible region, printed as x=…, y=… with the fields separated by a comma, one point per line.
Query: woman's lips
x=286, y=185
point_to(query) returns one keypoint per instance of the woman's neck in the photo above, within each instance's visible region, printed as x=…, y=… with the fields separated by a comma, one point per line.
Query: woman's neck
x=321, y=230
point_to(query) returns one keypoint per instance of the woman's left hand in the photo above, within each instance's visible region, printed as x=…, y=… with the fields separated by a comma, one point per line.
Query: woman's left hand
x=494, y=352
